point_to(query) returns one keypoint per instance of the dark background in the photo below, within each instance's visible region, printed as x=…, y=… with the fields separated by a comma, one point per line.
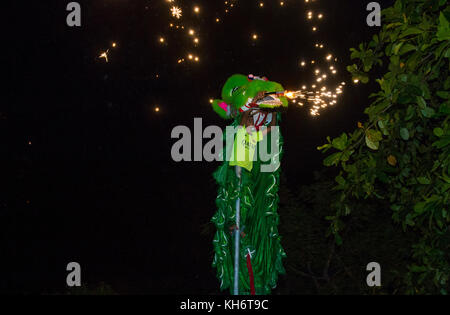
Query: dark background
x=86, y=173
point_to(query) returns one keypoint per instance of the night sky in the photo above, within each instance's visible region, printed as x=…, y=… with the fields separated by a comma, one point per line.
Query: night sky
x=86, y=172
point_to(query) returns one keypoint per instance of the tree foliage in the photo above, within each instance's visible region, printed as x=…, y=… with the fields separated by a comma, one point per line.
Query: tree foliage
x=401, y=154
x=315, y=264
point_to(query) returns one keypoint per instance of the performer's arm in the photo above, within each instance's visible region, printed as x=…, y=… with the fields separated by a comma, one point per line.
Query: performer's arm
x=273, y=123
x=245, y=119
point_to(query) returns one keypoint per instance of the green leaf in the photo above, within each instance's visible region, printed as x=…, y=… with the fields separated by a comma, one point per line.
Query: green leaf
x=382, y=177
x=405, y=98
x=411, y=31
x=363, y=78
x=406, y=48
x=409, y=220
x=447, y=84
x=338, y=239
x=404, y=133
x=438, y=132
x=415, y=268
x=373, y=138
x=443, y=94
x=392, y=25
x=396, y=48
x=423, y=180
x=443, y=32
x=355, y=53
x=405, y=172
x=352, y=69
x=340, y=180
x=325, y=146
x=421, y=102
x=341, y=142
x=346, y=155
x=428, y=112
x=409, y=93
x=374, y=135
x=410, y=112
x=445, y=108
x=332, y=159
x=383, y=126
x=371, y=144
x=445, y=141
x=413, y=61
x=419, y=208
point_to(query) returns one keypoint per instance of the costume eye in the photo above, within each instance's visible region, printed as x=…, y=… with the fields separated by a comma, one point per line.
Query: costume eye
x=234, y=90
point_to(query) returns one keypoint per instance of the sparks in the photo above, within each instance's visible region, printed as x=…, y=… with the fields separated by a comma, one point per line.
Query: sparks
x=104, y=55
x=289, y=94
x=176, y=12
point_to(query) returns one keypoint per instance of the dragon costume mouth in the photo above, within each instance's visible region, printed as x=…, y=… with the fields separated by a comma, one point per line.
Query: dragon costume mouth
x=269, y=101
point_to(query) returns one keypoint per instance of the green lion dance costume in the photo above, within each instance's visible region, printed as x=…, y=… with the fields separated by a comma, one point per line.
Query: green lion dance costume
x=261, y=253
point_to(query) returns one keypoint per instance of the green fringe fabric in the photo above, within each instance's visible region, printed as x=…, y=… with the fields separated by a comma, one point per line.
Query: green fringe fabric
x=259, y=224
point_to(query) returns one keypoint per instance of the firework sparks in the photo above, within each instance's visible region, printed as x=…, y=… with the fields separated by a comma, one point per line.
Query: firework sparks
x=176, y=12
x=317, y=94
x=104, y=55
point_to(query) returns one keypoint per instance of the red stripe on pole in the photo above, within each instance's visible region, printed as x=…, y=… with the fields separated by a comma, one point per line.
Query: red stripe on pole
x=250, y=272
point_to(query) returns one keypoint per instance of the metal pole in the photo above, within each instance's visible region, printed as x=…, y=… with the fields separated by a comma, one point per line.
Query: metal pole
x=237, y=235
